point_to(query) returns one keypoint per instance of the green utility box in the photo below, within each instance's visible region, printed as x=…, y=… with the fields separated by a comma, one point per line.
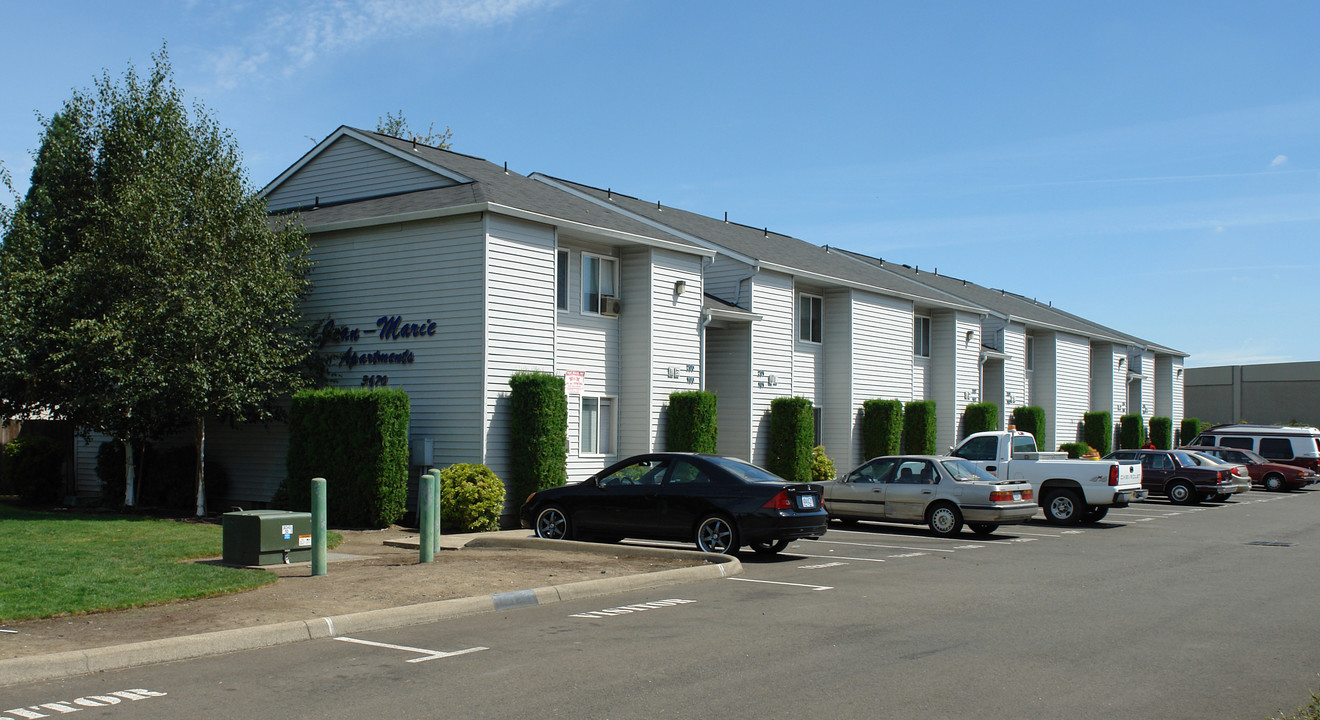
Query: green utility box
x=266, y=537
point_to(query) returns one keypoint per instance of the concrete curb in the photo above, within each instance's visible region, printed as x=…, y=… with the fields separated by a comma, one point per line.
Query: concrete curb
x=56, y=666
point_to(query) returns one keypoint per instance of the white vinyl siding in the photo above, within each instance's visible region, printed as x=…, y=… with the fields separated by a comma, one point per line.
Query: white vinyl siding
x=589, y=344
x=725, y=278
x=1072, y=390
x=773, y=338
x=1015, y=371
x=836, y=376
x=349, y=169
x=881, y=367
x=636, y=321
x=1147, y=408
x=955, y=350
x=520, y=323
x=675, y=337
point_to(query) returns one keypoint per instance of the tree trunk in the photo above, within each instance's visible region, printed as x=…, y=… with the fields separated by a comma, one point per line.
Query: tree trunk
x=201, y=467
x=130, y=475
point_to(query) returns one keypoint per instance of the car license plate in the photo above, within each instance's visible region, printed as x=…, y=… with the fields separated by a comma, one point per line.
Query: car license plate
x=806, y=502
x=1017, y=495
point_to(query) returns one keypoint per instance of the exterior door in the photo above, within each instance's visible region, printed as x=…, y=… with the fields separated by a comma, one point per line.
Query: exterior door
x=911, y=490
x=862, y=495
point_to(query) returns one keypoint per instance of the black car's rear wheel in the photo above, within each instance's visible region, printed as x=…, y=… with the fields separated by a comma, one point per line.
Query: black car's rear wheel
x=717, y=534
x=553, y=524
x=770, y=547
x=983, y=528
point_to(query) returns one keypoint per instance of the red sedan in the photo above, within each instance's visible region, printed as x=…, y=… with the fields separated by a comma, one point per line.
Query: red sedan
x=1275, y=477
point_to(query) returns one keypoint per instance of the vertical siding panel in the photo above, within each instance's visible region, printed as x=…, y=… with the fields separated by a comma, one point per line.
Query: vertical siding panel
x=838, y=375
x=675, y=337
x=520, y=325
x=725, y=277
x=1043, y=384
x=1015, y=370
x=589, y=344
x=1073, y=366
x=773, y=338
x=728, y=375
x=349, y=169
x=882, y=364
x=636, y=335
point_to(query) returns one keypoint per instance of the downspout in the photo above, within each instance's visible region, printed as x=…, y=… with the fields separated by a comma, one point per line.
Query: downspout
x=706, y=317
x=737, y=296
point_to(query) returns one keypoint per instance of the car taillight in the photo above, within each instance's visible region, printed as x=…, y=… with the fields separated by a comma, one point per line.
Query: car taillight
x=779, y=502
x=1113, y=474
x=1219, y=476
x=1028, y=494
x=1007, y=495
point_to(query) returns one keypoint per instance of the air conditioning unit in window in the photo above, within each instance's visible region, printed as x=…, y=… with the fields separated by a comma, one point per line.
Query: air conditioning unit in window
x=610, y=305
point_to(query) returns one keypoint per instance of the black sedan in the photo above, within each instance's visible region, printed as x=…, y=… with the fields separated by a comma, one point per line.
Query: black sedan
x=720, y=503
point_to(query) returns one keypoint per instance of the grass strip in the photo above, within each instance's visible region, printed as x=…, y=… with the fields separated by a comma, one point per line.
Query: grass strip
x=71, y=563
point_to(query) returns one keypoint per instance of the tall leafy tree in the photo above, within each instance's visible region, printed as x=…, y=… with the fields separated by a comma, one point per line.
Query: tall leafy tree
x=143, y=287
x=397, y=126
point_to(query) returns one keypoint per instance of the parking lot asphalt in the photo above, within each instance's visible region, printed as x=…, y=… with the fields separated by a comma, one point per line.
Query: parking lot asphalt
x=130, y=652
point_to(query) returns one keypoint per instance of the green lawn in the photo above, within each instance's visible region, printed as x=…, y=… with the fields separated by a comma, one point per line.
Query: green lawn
x=68, y=563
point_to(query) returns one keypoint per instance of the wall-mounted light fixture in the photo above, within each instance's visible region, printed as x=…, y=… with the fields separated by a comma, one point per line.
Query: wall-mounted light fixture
x=968, y=341
x=1120, y=363
x=1179, y=372
x=680, y=287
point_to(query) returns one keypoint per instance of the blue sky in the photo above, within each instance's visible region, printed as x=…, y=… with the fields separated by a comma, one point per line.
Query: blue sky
x=1154, y=167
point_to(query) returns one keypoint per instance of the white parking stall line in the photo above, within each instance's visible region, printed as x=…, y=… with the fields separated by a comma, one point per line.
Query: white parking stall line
x=775, y=582
x=882, y=534
x=887, y=547
x=427, y=654
x=842, y=557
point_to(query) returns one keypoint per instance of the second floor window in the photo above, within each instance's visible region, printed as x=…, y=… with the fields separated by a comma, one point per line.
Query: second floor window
x=598, y=279
x=921, y=336
x=809, y=318
x=561, y=280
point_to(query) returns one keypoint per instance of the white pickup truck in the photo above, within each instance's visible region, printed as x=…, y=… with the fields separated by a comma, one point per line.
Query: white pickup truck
x=1070, y=491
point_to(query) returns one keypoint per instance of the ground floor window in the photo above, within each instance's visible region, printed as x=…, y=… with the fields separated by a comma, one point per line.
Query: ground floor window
x=597, y=426
x=818, y=417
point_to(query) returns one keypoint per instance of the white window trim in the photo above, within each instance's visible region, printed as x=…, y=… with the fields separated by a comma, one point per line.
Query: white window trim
x=582, y=290
x=916, y=346
x=613, y=428
x=818, y=330
x=1029, y=354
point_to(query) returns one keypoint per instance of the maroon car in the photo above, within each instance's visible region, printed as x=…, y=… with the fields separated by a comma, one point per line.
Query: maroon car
x=1176, y=474
x=1275, y=477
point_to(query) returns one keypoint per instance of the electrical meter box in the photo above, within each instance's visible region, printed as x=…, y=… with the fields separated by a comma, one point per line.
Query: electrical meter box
x=266, y=537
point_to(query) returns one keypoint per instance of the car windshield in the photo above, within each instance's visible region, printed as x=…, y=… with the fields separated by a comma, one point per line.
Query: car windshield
x=962, y=470
x=1251, y=457
x=1187, y=459
x=745, y=471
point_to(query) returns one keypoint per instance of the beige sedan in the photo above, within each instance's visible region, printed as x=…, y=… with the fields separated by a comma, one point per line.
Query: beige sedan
x=941, y=492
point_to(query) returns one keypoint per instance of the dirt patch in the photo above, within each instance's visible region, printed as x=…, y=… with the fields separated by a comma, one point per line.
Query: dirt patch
x=382, y=577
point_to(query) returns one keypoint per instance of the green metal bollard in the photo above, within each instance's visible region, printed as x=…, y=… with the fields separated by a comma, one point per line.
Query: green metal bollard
x=318, y=526
x=426, y=517
x=438, y=494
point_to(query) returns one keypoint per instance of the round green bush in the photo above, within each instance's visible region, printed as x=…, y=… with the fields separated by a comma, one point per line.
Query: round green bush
x=471, y=498
x=822, y=467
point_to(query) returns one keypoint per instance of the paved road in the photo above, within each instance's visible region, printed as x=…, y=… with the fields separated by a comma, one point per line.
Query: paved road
x=1159, y=612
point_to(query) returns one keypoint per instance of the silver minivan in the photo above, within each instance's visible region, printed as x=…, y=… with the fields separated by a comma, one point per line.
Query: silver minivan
x=1291, y=444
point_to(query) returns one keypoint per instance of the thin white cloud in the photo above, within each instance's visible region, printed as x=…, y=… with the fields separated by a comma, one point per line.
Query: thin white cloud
x=298, y=34
x=1279, y=160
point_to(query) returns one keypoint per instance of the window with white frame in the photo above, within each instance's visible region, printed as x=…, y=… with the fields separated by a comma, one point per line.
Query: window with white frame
x=599, y=279
x=561, y=280
x=596, y=431
x=810, y=308
x=818, y=418
x=921, y=336
x=1031, y=353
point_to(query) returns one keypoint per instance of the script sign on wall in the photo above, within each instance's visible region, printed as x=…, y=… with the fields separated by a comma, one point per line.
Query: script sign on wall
x=388, y=329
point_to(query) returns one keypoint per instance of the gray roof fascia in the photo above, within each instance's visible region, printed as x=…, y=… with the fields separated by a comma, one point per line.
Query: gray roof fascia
x=697, y=240
x=343, y=131
x=582, y=228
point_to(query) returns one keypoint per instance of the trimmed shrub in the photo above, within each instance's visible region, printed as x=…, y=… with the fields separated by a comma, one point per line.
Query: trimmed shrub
x=822, y=467
x=1131, y=432
x=539, y=428
x=691, y=426
x=1031, y=418
x=792, y=435
x=358, y=441
x=882, y=428
x=471, y=498
x=980, y=417
x=1161, y=432
x=33, y=466
x=1098, y=430
x=1075, y=450
x=1188, y=429
x=919, y=428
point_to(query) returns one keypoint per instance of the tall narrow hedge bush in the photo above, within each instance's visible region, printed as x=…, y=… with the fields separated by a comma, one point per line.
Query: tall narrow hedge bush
x=1031, y=418
x=1098, y=430
x=1131, y=432
x=792, y=436
x=882, y=428
x=919, y=428
x=1161, y=432
x=1188, y=429
x=980, y=417
x=692, y=422
x=539, y=417
x=358, y=441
